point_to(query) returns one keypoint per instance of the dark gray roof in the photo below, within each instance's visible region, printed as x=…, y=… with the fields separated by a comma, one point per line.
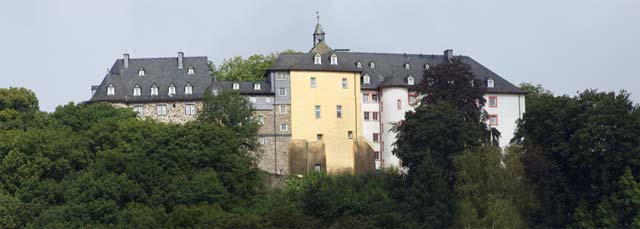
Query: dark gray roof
x=246, y=88
x=389, y=70
x=305, y=61
x=318, y=29
x=159, y=71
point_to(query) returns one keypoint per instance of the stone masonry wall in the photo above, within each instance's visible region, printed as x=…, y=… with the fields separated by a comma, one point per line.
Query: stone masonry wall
x=175, y=111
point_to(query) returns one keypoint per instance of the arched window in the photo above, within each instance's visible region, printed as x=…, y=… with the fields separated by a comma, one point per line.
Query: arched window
x=172, y=89
x=490, y=83
x=154, y=90
x=190, y=71
x=410, y=80
x=359, y=64
x=111, y=90
x=188, y=90
x=317, y=59
x=141, y=72
x=426, y=67
x=334, y=59
x=136, y=90
x=372, y=65
x=366, y=79
x=407, y=66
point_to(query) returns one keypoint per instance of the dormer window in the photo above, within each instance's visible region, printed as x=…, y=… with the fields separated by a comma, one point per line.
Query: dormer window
x=188, y=90
x=490, y=83
x=406, y=66
x=236, y=86
x=334, y=59
x=317, y=59
x=426, y=67
x=190, y=71
x=366, y=79
x=256, y=86
x=141, y=72
x=372, y=65
x=172, y=90
x=111, y=90
x=380, y=78
x=136, y=90
x=154, y=90
x=358, y=64
x=410, y=80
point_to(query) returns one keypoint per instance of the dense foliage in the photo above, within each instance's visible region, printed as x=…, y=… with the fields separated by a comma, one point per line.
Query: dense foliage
x=582, y=155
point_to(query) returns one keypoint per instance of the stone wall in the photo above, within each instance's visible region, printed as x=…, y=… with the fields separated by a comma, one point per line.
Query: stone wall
x=175, y=111
x=304, y=156
x=365, y=157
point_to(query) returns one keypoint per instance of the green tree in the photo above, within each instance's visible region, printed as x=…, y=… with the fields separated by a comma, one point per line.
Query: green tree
x=238, y=69
x=231, y=110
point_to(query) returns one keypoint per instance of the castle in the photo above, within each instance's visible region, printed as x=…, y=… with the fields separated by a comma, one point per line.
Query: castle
x=327, y=110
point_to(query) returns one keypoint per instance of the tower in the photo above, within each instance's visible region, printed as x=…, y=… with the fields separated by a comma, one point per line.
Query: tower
x=318, y=34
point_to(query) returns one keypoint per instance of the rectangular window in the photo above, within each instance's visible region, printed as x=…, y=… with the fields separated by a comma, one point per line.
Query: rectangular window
x=399, y=104
x=257, y=87
x=319, y=137
x=493, y=120
x=350, y=134
x=253, y=99
x=260, y=119
x=377, y=155
x=282, y=91
x=375, y=116
x=136, y=91
x=317, y=111
x=139, y=109
x=190, y=109
x=365, y=98
x=161, y=109
x=339, y=111
x=154, y=90
x=284, y=127
x=344, y=83
x=313, y=82
x=366, y=116
x=317, y=167
x=263, y=140
x=283, y=109
x=493, y=101
x=374, y=98
x=280, y=76
x=376, y=137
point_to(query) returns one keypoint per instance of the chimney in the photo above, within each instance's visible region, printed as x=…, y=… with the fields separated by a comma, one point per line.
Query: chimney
x=126, y=60
x=448, y=54
x=180, y=59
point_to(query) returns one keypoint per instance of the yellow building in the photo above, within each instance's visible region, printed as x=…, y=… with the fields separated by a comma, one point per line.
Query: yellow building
x=322, y=88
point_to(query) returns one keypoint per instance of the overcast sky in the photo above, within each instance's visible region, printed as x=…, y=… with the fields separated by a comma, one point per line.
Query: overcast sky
x=60, y=48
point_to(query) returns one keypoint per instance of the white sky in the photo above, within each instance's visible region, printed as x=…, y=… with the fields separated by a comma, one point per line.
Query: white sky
x=60, y=48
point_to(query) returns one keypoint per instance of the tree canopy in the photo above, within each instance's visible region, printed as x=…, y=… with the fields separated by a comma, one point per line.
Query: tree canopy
x=237, y=68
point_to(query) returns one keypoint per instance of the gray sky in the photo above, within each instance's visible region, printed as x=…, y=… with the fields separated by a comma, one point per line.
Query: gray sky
x=60, y=48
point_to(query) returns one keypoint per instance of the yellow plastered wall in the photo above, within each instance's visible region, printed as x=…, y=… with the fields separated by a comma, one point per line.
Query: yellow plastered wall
x=328, y=94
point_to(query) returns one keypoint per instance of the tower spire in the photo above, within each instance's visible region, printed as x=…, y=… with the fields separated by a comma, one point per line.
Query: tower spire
x=318, y=34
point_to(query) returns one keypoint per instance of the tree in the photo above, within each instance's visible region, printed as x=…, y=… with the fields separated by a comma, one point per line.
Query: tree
x=575, y=148
x=231, y=110
x=19, y=109
x=252, y=69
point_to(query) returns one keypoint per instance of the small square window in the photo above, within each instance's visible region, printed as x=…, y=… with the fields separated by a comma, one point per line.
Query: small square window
x=283, y=109
x=374, y=98
x=319, y=137
x=317, y=111
x=376, y=137
x=399, y=104
x=350, y=134
x=236, y=86
x=282, y=91
x=257, y=87
x=366, y=116
x=263, y=141
x=339, y=111
x=377, y=155
x=161, y=109
x=313, y=82
x=317, y=168
x=365, y=98
x=281, y=76
x=412, y=100
x=260, y=120
x=375, y=116
x=490, y=83
x=139, y=109
x=190, y=109
x=284, y=127
x=344, y=83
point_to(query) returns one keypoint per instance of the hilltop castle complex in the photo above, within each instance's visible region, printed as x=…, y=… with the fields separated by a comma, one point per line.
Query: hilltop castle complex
x=328, y=110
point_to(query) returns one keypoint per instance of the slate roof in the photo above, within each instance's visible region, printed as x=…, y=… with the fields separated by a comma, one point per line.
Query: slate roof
x=389, y=70
x=305, y=61
x=246, y=88
x=159, y=71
